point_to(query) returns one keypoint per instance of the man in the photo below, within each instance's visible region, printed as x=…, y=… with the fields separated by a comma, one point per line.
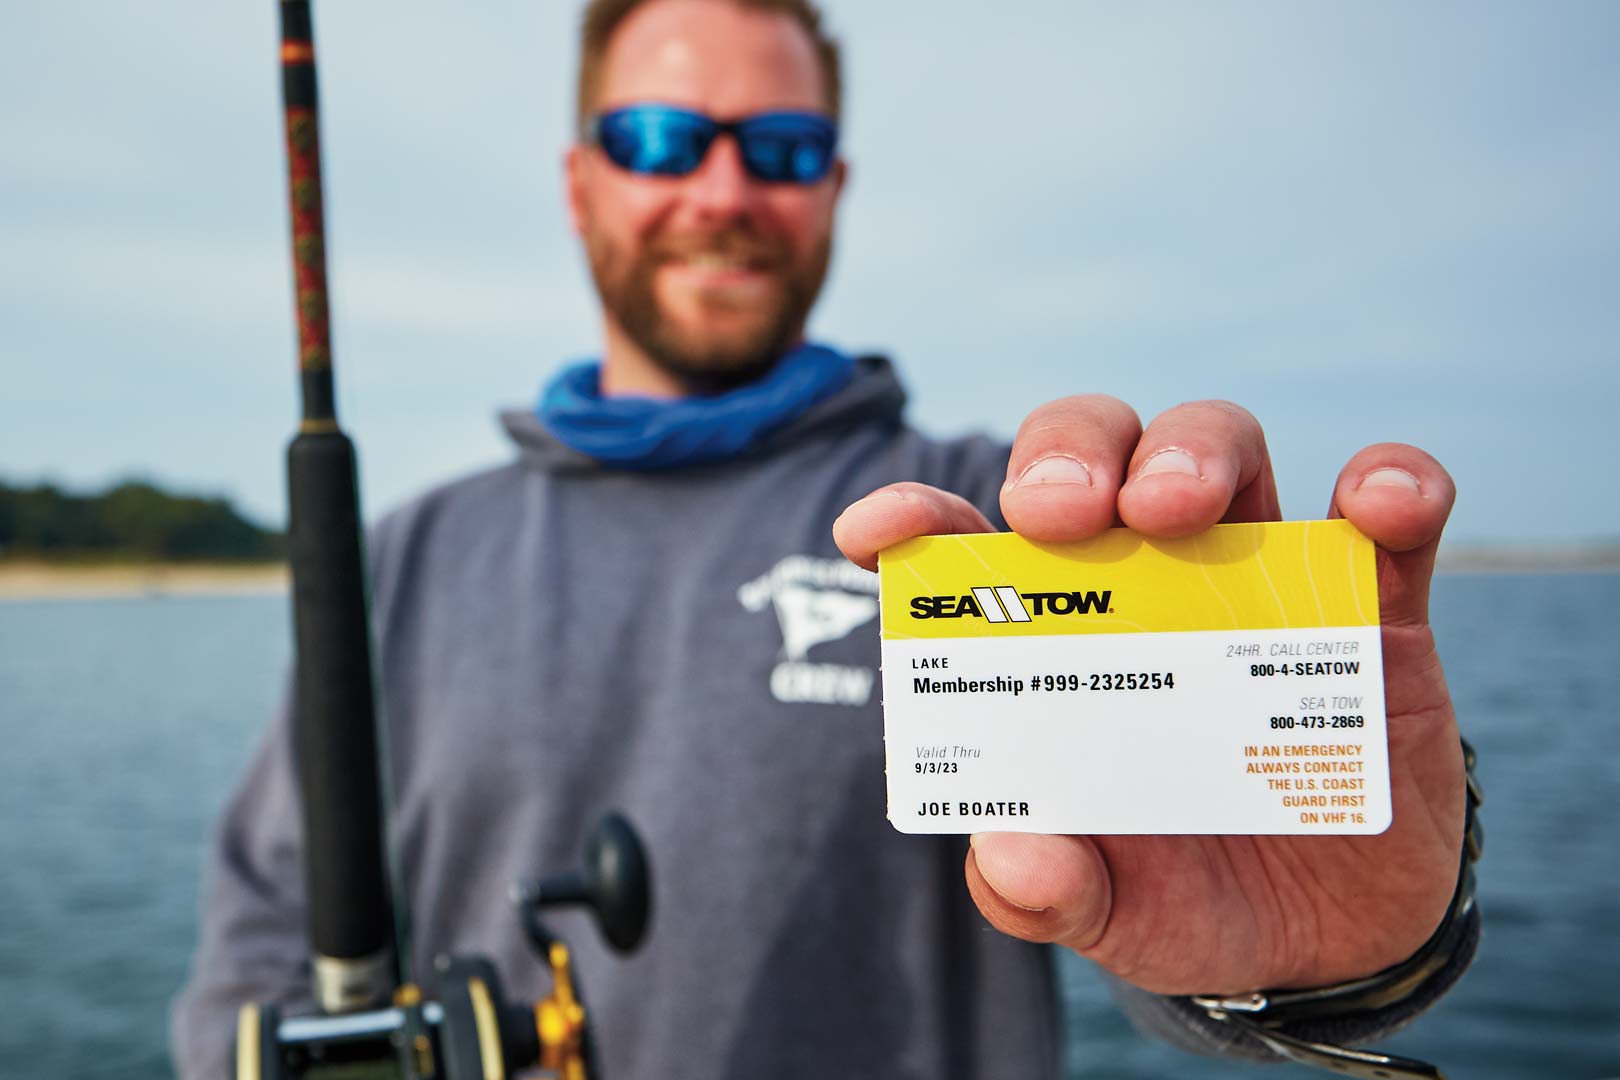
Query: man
x=595, y=626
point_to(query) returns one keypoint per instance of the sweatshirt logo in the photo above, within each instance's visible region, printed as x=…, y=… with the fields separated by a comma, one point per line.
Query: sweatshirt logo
x=1005, y=604
x=816, y=601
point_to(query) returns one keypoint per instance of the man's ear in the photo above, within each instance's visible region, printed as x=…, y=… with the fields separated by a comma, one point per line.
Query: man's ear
x=574, y=166
x=840, y=176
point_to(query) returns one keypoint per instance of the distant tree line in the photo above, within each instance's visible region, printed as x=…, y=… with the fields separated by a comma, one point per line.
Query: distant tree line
x=132, y=520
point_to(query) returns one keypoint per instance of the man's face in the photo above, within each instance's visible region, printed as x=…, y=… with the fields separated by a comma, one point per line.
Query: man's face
x=712, y=274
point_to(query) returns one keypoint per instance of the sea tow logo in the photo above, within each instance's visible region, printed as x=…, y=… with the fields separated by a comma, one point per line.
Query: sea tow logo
x=816, y=601
x=1005, y=604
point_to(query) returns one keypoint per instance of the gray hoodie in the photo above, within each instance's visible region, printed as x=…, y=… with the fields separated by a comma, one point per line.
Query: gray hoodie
x=556, y=639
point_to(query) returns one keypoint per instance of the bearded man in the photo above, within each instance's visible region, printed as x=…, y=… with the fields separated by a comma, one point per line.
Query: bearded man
x=646, y=610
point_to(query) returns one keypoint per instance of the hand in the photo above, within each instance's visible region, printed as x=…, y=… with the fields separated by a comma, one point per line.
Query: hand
x=1221, y=914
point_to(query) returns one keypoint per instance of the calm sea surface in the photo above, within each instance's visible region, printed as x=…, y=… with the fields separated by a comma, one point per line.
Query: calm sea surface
x=123, y=725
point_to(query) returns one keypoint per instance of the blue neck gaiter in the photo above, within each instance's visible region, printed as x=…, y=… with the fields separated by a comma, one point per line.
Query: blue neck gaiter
x=653, y=433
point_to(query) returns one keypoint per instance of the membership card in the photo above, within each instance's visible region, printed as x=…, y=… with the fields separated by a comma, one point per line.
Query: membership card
x=1230, y=682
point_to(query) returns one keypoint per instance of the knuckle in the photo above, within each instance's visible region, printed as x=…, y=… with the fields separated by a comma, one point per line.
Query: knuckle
x=1078, y=413
x=1102, y=403
x=1214, y=408
x=1400, y=455
x=1235, y=414
x=1396, y=449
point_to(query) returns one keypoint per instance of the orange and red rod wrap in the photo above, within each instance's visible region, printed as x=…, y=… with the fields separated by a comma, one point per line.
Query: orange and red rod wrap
x=303, y=135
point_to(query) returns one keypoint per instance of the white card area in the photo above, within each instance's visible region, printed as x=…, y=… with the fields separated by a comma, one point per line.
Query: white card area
x=1226, y=750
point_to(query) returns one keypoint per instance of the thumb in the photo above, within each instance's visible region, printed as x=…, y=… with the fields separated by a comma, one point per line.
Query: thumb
x=1400, y=497
x=1041, y=888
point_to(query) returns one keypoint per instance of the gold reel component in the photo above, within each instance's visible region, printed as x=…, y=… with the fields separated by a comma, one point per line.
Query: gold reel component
x=559, y=1019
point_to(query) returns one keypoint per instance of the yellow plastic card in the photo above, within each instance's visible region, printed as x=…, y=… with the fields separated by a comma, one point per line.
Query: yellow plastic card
x=1230, y=682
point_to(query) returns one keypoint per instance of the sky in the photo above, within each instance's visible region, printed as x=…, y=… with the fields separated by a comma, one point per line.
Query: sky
x=1362, y=221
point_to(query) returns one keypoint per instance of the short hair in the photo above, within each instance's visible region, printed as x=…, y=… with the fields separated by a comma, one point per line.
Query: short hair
x=602, y=18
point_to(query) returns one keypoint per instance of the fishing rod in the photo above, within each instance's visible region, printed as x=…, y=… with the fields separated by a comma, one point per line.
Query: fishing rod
x=375, y=1018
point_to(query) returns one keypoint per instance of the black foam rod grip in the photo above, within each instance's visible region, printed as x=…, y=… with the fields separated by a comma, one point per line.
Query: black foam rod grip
x=350, y=914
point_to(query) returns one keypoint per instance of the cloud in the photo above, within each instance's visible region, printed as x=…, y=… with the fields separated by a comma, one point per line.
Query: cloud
x=471, y=300
x=1278, y=203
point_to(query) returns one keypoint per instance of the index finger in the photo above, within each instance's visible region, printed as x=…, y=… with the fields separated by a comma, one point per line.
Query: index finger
x=899, y=512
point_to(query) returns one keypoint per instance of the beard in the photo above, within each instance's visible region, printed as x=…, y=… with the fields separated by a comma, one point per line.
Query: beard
x=734, y=341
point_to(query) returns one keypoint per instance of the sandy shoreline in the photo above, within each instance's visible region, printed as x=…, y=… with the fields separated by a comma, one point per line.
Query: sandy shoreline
x=39, y=580
x=29, y=580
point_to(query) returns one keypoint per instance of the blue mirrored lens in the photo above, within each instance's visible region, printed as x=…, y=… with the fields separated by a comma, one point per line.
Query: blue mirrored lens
x=781, y=147
x=653, y=139
x=793, y=147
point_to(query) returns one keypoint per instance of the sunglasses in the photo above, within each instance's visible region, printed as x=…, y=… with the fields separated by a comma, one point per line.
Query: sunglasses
x=662, y=140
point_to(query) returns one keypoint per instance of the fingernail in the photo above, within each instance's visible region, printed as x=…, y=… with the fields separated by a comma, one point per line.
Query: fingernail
x=1391, y=477
x=1056, y=469
x=1171, y=459
x=995, y=861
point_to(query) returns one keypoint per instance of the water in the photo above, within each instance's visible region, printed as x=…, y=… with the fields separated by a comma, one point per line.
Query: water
x=1534, y=668
x=125, y=723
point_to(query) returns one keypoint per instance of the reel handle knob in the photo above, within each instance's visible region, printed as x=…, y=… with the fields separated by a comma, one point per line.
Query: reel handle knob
x=614, y=881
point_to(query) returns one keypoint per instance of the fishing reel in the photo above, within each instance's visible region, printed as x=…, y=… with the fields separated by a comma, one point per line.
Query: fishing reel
x=461, y=1026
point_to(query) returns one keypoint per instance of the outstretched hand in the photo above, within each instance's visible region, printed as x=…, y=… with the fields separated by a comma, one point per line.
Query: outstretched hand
x=1221, y=914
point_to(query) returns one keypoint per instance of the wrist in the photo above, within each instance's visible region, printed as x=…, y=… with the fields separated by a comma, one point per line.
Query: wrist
x=1292, y=1023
